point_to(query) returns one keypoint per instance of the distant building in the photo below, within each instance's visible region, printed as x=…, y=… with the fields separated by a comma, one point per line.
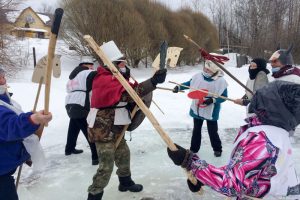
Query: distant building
x=28, y=23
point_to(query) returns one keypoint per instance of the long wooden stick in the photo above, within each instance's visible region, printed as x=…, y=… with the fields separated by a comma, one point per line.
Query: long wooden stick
x=221, y=67
x=168, y=89
x=51, y=49
x=158, y=107
x=210, y=93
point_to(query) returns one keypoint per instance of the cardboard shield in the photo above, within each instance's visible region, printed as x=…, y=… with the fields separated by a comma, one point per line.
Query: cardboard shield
x=173, y=54
x=139, y=116
x=40, y=69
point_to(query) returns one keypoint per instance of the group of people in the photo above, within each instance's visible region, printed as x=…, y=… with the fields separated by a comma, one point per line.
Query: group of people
x=261, y=162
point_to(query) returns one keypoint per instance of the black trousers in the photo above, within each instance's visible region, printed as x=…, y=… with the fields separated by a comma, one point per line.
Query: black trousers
x=75, y=125
x=8, y=188
x=212, y=127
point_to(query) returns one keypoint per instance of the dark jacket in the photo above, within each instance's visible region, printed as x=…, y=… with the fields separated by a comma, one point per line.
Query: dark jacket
x=277, y=104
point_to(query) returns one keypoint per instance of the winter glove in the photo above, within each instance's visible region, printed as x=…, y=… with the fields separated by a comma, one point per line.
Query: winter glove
x=176, y=89
x=194, y=188
x=180, y=157
x=208, y=101
x=159, y=76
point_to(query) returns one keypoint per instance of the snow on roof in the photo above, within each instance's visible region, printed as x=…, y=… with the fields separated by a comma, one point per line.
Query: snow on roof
x=44, y=18
x=13, y=15
x=30, y=29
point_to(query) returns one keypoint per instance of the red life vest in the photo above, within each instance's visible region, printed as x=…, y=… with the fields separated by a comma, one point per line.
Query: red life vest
x=106, y=89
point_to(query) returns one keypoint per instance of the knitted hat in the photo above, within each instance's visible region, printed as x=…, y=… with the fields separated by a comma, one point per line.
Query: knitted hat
x=260, y=62
x=284, y=56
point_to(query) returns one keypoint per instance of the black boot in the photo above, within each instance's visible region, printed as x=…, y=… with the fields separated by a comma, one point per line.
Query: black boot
x=75, y=151
x=126, y=183
x=95, y=196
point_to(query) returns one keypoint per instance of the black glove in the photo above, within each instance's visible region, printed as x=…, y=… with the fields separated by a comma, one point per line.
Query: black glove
x=159, y=76
x=194, y=188
x=208, y=101
x=176, y=89
x=180, y=157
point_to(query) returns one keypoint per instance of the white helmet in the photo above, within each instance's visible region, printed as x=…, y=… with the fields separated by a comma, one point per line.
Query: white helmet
x=211, y=66
x=112, y=51
x=86, y=60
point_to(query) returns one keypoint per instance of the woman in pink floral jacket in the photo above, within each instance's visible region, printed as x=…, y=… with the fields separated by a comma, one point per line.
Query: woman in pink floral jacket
x=261, y=162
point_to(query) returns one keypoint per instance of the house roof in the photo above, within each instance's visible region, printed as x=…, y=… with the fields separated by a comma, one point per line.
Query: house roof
x=44, y=18
x=30, y=29
x=13, y=15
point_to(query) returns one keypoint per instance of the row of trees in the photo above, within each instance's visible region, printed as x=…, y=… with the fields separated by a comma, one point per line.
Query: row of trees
x=5, y=42
x=137, y=26
x=257, y=27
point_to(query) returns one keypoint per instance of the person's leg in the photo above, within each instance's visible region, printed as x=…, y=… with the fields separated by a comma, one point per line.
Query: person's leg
x=73, y=132
x=83, y=127
x=122, y=160
x=8, y=188
x=100, y=180
x=215, y=140
x=196, y=137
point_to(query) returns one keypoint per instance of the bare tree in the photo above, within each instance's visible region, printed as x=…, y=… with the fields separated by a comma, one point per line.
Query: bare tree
x=7, y=59
x=137, y=26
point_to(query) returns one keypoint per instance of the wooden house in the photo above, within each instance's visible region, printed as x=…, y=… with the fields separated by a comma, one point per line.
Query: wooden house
x=28, y=23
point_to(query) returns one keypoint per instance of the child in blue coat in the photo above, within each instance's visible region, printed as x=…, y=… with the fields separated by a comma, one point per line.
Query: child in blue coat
x=15, y=125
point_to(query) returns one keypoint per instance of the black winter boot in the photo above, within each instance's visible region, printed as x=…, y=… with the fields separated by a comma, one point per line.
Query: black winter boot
x=126, y=183
x=95, y=196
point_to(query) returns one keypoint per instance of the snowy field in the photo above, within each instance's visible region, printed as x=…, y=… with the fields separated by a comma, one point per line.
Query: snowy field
x=68, y=177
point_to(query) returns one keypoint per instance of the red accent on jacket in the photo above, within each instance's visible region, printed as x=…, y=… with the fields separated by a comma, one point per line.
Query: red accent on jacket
x=106, y=89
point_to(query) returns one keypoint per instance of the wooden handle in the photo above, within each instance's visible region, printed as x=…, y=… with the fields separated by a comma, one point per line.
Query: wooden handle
x=213, y=94
x=221, y=67
x=168, y=89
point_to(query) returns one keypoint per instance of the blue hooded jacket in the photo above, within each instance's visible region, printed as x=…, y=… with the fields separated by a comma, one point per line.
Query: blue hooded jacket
x=13, y=129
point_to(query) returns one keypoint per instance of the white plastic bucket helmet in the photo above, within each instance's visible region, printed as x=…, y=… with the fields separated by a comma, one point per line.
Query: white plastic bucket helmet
x=112, y=51
x=211, y=66
x=86, y=60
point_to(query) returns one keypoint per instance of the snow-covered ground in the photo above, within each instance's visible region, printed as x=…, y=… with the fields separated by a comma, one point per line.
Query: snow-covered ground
x=68, y=177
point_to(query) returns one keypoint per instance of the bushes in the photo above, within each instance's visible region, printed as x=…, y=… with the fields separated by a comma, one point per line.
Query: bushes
x=137, y=26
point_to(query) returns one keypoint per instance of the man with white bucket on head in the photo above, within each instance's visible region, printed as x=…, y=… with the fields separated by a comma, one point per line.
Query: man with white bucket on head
x=108, y=116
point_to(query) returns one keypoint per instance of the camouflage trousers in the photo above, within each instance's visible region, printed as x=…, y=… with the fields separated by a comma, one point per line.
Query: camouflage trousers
x=108, y=157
